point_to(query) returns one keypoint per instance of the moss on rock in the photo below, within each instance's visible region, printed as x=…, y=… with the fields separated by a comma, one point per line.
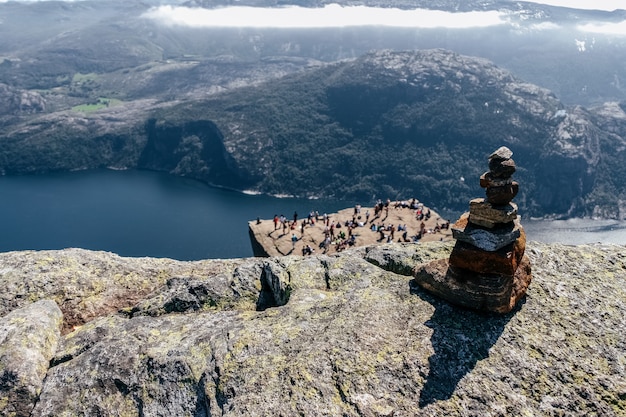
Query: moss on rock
x=354, y=337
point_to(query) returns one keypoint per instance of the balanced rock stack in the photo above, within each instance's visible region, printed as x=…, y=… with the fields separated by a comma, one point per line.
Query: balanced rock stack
x=487, y=269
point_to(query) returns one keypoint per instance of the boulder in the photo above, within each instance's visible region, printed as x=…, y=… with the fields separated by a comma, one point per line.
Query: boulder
x=486, y=239
x=502, y=261
x=28, y=340
x=499, y=196
x=498, y=293
x=483, y=213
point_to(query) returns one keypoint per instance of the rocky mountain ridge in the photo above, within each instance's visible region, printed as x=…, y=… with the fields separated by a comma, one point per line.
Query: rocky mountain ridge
x=91, y=85
x=52, y=47
x=332, y=127
x=348, y=334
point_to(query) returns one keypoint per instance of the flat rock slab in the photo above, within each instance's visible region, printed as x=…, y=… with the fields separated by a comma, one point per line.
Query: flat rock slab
x=354, y=339
x=266, y=241
x=487, y=292
x=489, y=240
x=486, y=214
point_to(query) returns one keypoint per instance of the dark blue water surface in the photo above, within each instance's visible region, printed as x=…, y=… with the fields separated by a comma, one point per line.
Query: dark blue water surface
x=141, y=213
x=136, y=213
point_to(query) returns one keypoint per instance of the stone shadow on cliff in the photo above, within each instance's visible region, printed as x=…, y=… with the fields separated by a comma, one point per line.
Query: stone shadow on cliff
x=461, y=338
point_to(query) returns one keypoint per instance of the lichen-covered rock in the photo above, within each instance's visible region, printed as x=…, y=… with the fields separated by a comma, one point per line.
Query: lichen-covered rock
x=403, y=258
x=353, y=339
x=163, y=366
x=28, y=340
x=87, y=284
x=216, y=291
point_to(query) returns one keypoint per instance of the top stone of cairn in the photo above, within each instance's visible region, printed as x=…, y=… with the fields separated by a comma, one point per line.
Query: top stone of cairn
x=501, y=153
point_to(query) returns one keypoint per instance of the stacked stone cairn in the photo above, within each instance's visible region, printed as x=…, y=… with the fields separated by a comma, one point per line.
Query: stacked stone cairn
x=487, y=269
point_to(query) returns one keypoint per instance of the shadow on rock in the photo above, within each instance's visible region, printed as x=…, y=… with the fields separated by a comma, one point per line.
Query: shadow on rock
x=461, y=337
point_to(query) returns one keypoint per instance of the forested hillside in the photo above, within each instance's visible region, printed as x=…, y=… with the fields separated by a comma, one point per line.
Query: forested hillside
x=389, y=124
x=308, y=113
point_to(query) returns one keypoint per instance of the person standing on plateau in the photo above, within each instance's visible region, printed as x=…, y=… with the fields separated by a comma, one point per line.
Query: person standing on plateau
x=294, y=239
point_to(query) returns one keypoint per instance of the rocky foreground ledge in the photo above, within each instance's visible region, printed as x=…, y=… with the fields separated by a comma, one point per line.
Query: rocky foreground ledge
x=92, y=333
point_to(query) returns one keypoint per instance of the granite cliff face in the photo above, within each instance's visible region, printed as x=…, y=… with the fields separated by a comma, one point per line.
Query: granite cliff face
x=345, y=335
x=16, y=102
x=327, y=131
x=429, y=115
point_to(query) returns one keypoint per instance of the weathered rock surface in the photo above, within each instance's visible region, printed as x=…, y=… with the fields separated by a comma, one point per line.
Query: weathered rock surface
x=485, y=214
x=17, y=102
x=354, y=337
x=503, y=261
x=488, y=240
x=28, y=340
x=395, y=105
x=494, y=292
x=87, y=284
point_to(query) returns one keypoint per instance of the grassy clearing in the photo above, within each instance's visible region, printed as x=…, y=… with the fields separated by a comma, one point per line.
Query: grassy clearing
x=81, y=78
x=102, y=103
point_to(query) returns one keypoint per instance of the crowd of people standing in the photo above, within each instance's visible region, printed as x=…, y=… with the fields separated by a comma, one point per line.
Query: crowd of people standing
x=327, y=232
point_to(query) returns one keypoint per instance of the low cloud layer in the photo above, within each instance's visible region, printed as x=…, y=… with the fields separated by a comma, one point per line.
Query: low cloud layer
x=605, y=28
x=606, y=5
x=333, y=16
x=617, y=29
x=329, y=16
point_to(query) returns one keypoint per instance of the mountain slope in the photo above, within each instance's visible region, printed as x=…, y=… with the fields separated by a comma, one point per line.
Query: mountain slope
x=389, y=124
x=406, y=123
x=46, y=44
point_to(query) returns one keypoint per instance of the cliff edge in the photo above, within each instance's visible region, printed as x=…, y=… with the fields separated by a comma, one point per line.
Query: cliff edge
x=349, y=334
x=397, y=222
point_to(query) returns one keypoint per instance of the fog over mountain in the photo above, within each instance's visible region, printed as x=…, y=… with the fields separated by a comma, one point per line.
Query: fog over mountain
x=577, y=53
x=329, y=16
x=98, y=74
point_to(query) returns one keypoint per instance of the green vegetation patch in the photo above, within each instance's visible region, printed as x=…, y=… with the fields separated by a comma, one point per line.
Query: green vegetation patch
x=101, y=103
x=82, y=78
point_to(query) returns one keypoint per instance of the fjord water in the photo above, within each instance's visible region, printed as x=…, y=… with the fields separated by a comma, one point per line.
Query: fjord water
x=135, y=213
x=576, y=231
x=141, y=213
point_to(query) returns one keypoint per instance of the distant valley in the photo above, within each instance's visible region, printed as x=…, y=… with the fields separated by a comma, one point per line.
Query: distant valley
x=312, y=113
